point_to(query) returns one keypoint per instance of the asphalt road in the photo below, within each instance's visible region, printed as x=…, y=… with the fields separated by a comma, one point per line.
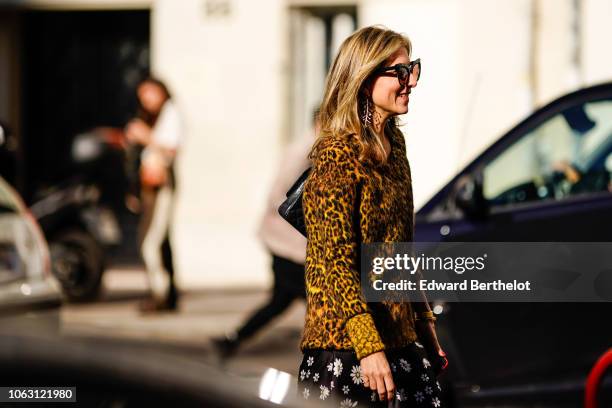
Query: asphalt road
x=201, y=315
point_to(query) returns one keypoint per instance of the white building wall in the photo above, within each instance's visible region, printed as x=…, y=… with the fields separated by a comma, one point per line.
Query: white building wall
x=556, y=73
x=227, y=75
x=597, y=31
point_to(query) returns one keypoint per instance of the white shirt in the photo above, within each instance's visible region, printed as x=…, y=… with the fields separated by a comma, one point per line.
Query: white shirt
x=167, y=133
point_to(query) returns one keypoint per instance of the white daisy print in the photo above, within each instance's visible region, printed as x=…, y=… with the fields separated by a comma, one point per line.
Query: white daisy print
x=419, y=345
x=356, y=374
x=405, y=365
x=331, y=385
x=401, y=395
x=346, y=389
x=438, y=385
x=306, y=393
x=324, y=392
x=330, y=366
x=308, y=374
x=302, y=375
x=337, y=367
x=393, y=367
x=428, y=390
x=373, y=397
x=315, y=377
x=426, y=363
x=347, y=403
x=419, y=397
x=310, y=361
x=424, y=377
x=435, y=402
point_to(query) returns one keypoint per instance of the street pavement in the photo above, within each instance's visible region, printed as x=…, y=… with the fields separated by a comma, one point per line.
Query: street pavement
x=202, y=315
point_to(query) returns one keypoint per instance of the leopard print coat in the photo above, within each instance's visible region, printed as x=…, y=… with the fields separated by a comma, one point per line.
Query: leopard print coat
x=337, y=315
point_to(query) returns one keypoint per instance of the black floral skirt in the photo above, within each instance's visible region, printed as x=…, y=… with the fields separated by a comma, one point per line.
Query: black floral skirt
x=334, y=376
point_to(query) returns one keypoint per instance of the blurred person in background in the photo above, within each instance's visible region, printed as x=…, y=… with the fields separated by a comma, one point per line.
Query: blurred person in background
x=158, y=131
x=360, y=190
x=286, y=245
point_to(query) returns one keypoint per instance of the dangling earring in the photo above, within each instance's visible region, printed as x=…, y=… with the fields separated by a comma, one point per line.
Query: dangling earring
x=366, y=110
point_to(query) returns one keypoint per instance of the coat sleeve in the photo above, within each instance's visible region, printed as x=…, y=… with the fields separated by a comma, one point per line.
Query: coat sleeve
x=336, y=168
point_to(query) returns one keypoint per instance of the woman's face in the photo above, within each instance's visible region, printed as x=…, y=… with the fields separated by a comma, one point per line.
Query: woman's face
x=389, y=97
x=151, y=97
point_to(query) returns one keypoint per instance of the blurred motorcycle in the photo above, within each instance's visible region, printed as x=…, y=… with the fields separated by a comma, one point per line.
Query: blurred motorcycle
x=79, y=216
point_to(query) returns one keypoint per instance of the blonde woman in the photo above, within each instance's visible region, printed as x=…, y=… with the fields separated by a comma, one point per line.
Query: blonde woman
x=360, y=190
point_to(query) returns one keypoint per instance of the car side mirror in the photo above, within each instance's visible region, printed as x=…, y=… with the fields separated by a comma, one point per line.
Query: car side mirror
x=469, y=196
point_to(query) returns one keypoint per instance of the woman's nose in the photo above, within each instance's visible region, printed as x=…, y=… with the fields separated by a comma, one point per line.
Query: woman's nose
x=412, y=81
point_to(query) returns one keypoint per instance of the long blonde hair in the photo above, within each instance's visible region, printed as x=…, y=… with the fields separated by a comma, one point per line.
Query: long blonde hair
x=359, y=56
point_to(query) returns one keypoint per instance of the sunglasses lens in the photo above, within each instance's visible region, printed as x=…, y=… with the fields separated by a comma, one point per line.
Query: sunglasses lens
x=416, y=71
x=402, y=74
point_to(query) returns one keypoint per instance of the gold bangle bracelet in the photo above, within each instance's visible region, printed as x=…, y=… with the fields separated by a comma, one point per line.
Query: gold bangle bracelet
x=428, y=315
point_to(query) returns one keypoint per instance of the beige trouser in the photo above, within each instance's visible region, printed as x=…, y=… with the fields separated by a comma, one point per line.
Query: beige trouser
x=157, y=206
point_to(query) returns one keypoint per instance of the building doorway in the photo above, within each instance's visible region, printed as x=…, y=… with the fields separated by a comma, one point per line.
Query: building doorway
x=79, y=71
x=316, y=34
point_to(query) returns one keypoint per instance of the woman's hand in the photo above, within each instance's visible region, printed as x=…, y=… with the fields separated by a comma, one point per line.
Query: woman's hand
x=428, y=329
x=376, y=375
x=137, y=131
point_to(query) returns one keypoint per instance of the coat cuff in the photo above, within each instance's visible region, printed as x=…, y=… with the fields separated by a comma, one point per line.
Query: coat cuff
x=364, y=335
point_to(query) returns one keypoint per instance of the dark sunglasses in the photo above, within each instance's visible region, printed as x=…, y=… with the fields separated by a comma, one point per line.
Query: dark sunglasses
x=403, y=71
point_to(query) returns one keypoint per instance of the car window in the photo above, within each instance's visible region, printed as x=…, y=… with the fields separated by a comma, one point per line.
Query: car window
x=567, y=155
x=15, y=238
x=10, y=261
